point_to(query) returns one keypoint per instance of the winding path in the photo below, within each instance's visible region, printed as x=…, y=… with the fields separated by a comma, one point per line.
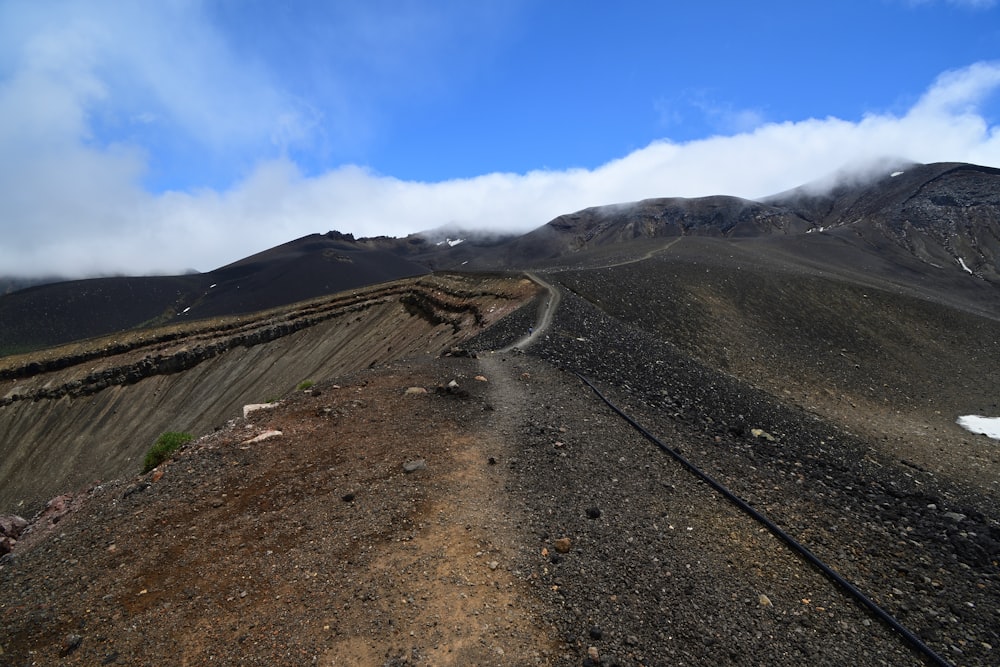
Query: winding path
x=546, y=309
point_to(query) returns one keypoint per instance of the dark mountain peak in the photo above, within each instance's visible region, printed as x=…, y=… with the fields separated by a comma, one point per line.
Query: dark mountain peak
x=717, y=215
x=946, y=213
x=334, y=235
x=846, y=181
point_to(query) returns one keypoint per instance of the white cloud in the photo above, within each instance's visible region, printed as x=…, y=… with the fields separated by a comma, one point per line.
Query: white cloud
x=73, y=205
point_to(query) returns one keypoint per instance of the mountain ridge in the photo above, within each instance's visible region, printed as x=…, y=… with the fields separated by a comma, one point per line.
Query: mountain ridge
x=943, y=215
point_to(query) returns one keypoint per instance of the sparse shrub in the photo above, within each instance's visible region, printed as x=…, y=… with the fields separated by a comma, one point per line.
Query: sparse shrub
x=164, y=446
x=305, y=384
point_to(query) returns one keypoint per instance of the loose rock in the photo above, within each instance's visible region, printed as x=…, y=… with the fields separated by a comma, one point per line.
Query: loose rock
x=415, y=465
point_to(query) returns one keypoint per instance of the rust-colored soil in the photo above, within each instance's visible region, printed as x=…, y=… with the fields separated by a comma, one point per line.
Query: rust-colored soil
x=312, y=547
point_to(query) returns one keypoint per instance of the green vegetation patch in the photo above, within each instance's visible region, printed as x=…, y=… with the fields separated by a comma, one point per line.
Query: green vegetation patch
x=164, y=446
x=305, y=384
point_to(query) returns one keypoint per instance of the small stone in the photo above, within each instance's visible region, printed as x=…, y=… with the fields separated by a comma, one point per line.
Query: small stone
x=70, y=643
x=954, y=516
x=632, y=640
x=415, y=465
x=595, y=633
x=593, y=513
x=415, y=390
x=493, y=565
x=761, y=433
x=347, y=497
x=563, y=544
x=764, y=601
x=593, y=654
x=480, y=378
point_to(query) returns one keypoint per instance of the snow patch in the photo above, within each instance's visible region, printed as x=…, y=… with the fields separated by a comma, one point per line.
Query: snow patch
x=962, y=262
x=988, y=426
x=186, y=309
x=895, y=174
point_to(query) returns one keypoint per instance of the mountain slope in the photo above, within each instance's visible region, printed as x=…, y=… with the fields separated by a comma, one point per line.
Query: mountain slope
x=941, y=216
x=305, y=268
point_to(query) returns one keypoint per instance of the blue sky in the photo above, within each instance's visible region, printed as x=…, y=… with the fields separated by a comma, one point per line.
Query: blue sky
x=210, y=130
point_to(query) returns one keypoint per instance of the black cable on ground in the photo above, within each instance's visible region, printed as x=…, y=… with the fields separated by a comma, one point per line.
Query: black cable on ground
x=830, y=573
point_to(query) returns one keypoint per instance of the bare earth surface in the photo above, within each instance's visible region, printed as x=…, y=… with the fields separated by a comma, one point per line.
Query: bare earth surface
x=509, y=518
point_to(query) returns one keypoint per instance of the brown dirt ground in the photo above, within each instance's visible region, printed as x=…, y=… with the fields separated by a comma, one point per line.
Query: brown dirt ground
x=314, y=547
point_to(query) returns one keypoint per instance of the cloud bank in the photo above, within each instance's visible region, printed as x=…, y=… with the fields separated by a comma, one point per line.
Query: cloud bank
x=73, y=205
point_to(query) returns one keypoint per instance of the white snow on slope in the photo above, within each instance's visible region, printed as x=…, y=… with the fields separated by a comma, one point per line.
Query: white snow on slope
x=989, y=426
x=962, y=262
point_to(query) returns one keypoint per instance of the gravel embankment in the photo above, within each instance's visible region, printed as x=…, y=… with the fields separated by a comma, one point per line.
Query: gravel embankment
x=925, y=557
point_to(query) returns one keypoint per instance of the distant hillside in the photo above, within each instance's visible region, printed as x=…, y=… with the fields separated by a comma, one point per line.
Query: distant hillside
x=943, y=215
x=306, y=268
x=10, y=284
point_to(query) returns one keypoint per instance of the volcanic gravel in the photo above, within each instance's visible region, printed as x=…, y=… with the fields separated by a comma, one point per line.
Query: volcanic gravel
x=916, y=548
